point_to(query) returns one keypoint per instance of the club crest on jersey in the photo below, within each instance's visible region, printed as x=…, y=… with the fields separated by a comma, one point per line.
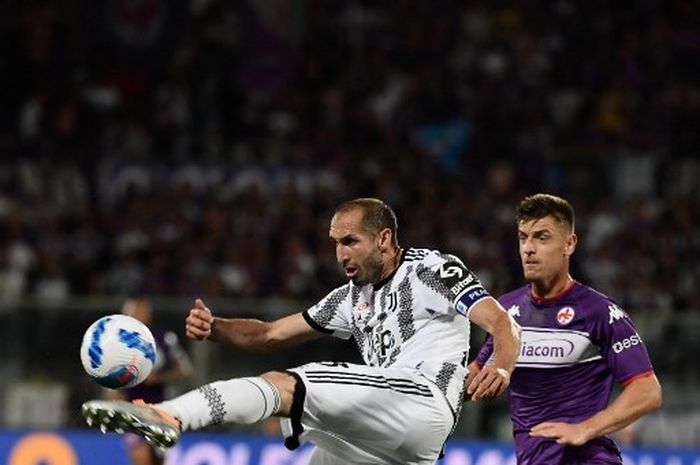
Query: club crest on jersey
x=393, y=302
x=565, y=315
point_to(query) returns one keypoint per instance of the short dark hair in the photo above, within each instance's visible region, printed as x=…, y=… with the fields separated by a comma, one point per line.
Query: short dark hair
x=537, y=206
x=376, y=215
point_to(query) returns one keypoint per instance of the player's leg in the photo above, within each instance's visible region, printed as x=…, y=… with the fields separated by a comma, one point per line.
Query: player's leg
x=322, y=457
x=368, y=415
x=238, y=400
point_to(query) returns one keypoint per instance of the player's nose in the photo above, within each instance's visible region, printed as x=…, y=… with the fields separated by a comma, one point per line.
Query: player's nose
x=527, y=247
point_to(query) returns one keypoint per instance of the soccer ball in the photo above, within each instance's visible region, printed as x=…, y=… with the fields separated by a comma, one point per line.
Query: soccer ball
x=118, y=351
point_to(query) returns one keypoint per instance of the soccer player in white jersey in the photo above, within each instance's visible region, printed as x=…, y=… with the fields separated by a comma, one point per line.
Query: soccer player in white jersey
x=576, y=342
x=408, y=311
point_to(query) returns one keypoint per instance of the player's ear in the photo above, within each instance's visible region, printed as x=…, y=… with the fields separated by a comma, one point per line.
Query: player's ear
x=384, y=237
x=570, y=246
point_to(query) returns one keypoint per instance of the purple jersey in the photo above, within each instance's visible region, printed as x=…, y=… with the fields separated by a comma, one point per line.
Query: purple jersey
x=574, y=346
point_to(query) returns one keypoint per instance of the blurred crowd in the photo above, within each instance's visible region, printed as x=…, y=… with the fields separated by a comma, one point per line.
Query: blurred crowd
x=198, y=148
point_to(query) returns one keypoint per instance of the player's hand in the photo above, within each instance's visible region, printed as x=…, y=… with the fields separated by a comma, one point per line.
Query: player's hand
x=198, y=323
x=564, y=433
x=489, y=382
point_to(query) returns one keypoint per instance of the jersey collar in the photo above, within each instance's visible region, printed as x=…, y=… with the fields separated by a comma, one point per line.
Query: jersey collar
x=540, y=300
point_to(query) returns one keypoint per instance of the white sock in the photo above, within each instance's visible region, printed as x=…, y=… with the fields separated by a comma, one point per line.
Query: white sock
x=238, y=400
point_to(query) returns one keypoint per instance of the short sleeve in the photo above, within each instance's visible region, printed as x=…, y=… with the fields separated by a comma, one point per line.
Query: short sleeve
x=621, y=346
x=332, y=314
x=458, y=284
x=446, y=275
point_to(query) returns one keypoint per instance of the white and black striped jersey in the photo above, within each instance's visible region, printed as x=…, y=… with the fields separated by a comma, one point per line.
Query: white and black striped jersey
x=414, y=318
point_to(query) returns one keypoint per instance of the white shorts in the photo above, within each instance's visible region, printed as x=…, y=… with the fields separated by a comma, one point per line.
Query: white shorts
x=362, y=415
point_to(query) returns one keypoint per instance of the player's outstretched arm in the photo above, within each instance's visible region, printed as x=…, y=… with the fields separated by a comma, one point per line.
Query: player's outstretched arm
x=493, y=379
x=248, y=333
x=641, y=396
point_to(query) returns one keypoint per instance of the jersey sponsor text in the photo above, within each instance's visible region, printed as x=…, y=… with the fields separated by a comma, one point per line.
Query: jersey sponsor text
x=551, y=348
x=633, y=340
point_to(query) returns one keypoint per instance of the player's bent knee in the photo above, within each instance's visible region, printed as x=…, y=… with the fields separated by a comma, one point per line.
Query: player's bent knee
x=285, y=384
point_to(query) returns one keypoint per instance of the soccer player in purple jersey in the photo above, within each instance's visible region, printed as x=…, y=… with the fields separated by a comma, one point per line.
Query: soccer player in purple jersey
x=575, y=343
